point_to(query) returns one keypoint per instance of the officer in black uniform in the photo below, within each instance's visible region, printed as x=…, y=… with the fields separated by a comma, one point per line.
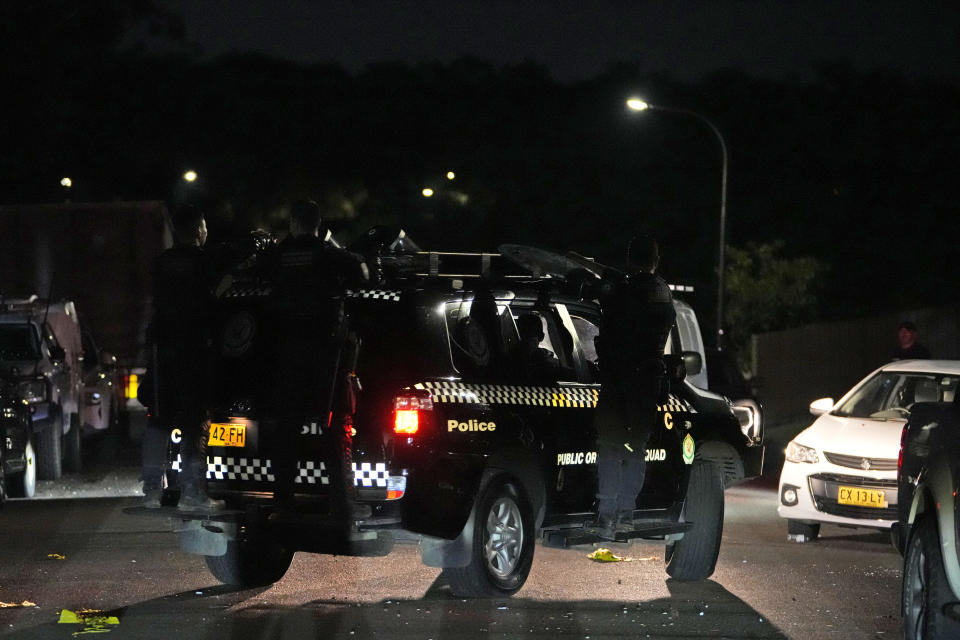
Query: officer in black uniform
x=310, y=276
x=181, y=317
x=637, y=314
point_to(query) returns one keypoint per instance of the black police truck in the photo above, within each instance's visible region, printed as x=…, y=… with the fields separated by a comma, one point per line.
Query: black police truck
x=433, y=428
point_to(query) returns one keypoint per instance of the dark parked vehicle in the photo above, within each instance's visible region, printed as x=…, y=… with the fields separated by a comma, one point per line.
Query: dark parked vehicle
x=439, y=431
x=928, y=516
x=40, y=352
x=18, y=467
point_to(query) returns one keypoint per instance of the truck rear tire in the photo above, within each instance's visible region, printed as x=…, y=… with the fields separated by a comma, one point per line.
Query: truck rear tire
x=925, y=588
x=24, y=483
x=502, y=547
x=250, y=564
x=49, y=453
x=72, y=454
x=694, y=557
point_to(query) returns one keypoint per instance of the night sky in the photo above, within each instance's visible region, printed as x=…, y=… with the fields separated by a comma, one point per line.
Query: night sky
x=577, y=40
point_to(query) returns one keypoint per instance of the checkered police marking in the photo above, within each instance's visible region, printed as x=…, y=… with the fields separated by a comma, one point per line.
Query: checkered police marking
x=676, y=405
x=375, y=294
x=572, y=397
x=460, y=393
x=247, y=290
x=309, y=472
x=370, y=475
x=222, y=468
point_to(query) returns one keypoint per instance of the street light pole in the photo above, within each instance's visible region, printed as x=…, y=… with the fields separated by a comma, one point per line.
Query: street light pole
x=639, y=105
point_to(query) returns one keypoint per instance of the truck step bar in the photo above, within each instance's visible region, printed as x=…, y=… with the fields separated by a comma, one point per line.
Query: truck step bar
x=565, y=538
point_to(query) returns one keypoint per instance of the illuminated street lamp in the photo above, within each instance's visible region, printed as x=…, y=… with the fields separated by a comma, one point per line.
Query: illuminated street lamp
x=451, y=175
x=190, y=176
x=427, y=192
x=636, y=104
x=66, y=182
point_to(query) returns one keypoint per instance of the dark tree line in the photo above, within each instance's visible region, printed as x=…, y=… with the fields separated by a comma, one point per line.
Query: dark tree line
x=856, y=170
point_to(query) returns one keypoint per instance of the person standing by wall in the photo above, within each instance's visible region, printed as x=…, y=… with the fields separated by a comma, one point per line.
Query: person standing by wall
x=907, y=346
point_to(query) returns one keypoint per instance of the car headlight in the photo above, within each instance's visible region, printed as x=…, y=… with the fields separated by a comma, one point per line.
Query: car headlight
x=799, y=453
x=33, y=391
x=92, y=398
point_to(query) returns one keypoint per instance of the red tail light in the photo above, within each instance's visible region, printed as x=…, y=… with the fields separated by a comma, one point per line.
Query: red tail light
x=408, y=411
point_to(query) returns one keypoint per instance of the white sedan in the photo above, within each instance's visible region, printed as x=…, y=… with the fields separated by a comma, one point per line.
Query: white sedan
x=842, y=469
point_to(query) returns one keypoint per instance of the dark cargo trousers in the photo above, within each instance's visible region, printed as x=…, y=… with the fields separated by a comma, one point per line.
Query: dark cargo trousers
x=624, y=421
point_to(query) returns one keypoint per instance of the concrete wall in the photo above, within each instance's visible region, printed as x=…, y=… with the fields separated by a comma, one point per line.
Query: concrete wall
x=799, y=365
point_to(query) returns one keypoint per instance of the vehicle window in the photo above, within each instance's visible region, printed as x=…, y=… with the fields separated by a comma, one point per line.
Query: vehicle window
x=687, y=331
x=673, y=342
x=17, y=342
x=587, y=333
x=91, y=355
x=545, y=349
x=51, y=338
x=889, y=395
x=474, y=345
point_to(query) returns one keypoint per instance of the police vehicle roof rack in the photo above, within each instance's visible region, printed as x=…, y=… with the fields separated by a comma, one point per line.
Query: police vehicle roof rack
x=20, y=304
x=457, y=265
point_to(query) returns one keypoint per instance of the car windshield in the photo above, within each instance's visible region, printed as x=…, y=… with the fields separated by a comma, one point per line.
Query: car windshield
x=889, y=395
x=17, y=342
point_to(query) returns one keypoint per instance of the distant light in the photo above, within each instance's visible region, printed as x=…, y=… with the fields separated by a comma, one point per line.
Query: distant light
x=190, y=176
x=66, y=182
x=637, y=104
x=428, y=192
x=451, y=175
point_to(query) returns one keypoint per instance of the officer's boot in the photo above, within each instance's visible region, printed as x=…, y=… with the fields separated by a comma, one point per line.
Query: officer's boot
x=152, y=493
x=193, y=482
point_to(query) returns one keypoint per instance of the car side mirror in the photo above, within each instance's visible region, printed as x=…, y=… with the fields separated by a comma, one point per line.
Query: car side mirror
x=693, y=362
x=821, y=406
x=58, y=354
x=676, y=367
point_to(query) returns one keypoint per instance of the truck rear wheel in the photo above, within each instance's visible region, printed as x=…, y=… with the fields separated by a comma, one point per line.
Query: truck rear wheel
x=49, y=456
x=24, y=483
x=502, y=547
x=71, y=446
x=250, y=563
x=925, y=588
x=694, y=557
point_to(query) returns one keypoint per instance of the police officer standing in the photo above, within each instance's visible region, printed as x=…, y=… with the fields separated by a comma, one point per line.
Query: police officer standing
x=637, y=314
x=182, y=305
x=310, y=276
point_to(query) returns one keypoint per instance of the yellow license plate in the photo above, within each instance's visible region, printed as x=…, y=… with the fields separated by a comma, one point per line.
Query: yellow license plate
x=227, y=434
x=857, y=497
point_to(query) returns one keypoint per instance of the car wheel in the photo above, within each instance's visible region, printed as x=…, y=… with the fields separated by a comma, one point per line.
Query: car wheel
x=804, y=532
x=72, y=460
x=925, y=589
x=49, y=456
x=694, y=556
x=250, y=563
x=501, y=552
x=24, y=484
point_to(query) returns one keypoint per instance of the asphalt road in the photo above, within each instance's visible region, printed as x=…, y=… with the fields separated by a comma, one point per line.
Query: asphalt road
x=70, y=555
